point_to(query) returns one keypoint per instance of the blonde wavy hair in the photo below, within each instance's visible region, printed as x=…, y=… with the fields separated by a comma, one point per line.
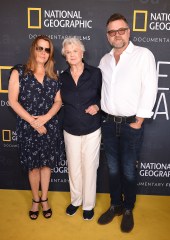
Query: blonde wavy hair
x=49, y=65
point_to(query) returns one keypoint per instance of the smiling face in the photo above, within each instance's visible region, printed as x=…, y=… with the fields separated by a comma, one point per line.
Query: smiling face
x=42, y=49
x=121, y=38
x=73, y=53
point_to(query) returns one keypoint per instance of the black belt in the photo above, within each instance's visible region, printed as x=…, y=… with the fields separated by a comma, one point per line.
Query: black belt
x=120, y=119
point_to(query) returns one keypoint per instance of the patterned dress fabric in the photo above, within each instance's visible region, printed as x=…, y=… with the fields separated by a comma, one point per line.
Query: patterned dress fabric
x=38, y=150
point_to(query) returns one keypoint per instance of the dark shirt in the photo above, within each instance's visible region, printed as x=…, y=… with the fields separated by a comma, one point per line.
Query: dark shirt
x=77, y=98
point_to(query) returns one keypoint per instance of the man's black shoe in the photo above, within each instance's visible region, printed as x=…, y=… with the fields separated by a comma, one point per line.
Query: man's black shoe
x=71, y=210
x=88, y=214
x=108, y=216
x=127, y=223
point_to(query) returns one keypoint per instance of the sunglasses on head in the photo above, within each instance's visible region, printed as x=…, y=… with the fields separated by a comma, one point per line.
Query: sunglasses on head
x=40, y=49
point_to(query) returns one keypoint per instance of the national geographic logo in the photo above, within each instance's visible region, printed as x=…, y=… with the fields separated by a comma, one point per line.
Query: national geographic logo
x=160, y=170
x=34, y=18
x=4, y=72
x=56, y=19
x=9, y=139
x=142, y=20
x=61, y=167
x=159, y=21
x=8, y=135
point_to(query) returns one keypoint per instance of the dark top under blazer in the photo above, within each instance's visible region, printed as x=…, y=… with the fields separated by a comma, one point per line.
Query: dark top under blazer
x=77, y=98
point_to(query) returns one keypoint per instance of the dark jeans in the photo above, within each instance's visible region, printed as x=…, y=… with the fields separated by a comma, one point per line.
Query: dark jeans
x=122, y=144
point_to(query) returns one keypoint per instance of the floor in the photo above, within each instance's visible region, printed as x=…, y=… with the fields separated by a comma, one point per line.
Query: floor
x=152, y=219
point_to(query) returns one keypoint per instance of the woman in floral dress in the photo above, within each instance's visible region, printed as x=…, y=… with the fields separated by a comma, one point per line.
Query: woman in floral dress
x=34, y=94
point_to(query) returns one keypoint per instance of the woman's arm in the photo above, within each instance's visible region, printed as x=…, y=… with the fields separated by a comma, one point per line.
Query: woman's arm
x=13, y=93
x=56, y=106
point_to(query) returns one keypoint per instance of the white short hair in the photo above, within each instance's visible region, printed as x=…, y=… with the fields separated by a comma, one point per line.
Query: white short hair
x=72, y=40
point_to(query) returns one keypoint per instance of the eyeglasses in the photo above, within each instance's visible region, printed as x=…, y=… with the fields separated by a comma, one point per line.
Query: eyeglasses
x=121, y=31
x=40, y=49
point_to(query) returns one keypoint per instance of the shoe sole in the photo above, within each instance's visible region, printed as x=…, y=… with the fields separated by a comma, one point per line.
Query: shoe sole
x=70, y=214
x=87, y=219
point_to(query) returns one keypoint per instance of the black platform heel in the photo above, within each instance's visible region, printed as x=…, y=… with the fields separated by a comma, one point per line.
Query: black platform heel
x=34, y=215
x=46, y=213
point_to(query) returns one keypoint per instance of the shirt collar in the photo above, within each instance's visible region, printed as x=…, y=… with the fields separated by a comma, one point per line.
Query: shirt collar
x=86, y=66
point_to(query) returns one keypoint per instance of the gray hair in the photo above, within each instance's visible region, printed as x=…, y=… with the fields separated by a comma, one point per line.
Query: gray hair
x=72, y=40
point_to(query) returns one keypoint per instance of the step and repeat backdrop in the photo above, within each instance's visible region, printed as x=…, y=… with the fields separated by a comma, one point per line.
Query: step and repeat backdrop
x=21, y=21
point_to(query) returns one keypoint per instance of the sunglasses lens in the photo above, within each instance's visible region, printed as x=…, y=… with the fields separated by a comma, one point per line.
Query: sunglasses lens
x=112, y=33
x=40, y=49
x=122, y=31
x=47, y=50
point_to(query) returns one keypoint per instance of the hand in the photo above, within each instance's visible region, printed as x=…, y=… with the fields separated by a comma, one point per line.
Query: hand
x=138, y=123
x=39, y=121
x=92, y=110
x=135, y=125
x=41, y=130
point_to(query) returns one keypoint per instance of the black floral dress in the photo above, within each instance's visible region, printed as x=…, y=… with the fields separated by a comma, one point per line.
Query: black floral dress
x=38, y=150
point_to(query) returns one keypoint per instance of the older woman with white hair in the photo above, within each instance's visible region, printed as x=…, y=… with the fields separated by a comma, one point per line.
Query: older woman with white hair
x=80, y=92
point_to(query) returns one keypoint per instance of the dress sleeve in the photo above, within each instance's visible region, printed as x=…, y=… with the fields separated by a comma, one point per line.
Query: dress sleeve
x=20, y=68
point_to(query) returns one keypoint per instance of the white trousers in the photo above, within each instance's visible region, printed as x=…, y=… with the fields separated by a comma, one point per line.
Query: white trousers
x=83, y=160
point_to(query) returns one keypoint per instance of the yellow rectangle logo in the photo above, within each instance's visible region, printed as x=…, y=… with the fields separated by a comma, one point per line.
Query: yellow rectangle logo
x=6, y=135
x=3, y=68
x=34, y=10
x=136, y=12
